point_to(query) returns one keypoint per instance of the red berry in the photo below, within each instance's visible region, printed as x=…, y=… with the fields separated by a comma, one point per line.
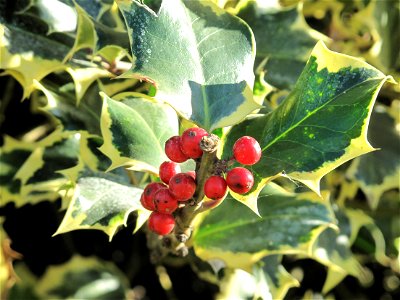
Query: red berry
x=165, y=202
x=182, y=186
x=160, y=223
x=247, y=150
x=240, y=180
x=167, y=170
x=147, y=198
x=192, y=174
x=215, y=187
x=173, y=149
x=190, y=142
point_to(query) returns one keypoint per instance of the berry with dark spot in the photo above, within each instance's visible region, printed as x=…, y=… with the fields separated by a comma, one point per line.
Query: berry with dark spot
x=240, y=180
x=190, y=142
x=182, y=186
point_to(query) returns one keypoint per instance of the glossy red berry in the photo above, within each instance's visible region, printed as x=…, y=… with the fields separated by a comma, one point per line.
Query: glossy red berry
x=167, y=170
x=182, y=186
x=215, y=187
x=160, y=223
x=165, y=202
x=240, y=180
x=190, y=142
x=247, y=150
x=147, y=198
x=173, y=149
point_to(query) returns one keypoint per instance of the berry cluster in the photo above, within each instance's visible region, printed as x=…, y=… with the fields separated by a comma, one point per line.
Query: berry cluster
x=164, y=198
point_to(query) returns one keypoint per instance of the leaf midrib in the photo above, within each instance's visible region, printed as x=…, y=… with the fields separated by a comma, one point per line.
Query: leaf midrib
x=312, y=113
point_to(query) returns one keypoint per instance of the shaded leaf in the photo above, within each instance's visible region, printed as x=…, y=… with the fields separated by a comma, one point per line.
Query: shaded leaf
x=379, y=171
x=333, y=249
x=180, y=51
x=289, y=223
x=283, y=38
x=319, y=126
x=135, y=131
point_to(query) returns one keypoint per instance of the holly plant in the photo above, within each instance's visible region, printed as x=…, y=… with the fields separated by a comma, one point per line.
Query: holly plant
x=235, y=136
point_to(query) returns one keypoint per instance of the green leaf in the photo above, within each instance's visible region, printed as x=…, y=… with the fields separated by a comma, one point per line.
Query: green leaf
x=289, y=223
x=135, y=131
x=59, y=16
x=199, y=57
x=333, y=248
x=82, y=278
x=32, y=171
x=379, y=171
x=283, y=38
x=26, y=51
x=100, y=203
x=110, y=43
x=13, y=155
x=83, y=115
x=319, y=126
x=272, y=274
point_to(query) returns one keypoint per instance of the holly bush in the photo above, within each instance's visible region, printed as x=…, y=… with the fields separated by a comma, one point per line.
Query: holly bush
x=93, y=90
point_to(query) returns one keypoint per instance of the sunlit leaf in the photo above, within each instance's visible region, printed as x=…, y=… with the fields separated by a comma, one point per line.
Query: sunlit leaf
x=100, y=203
x=319, y=126
x=199, y=58
x=135, y=131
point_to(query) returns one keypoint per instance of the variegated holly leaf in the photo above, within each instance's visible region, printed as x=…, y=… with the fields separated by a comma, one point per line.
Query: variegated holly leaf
x=288, y=223
x=271, y=274
x=31, y=171
x=379, y=171
x=100, y=201
x=78, y=278
x=110, y=43
x=333, y=248
x=13, y=155
x=135, y=131
x=199, y=57
x=83, y=115
x=284, y=40
x=320, y=125
x=26, y=51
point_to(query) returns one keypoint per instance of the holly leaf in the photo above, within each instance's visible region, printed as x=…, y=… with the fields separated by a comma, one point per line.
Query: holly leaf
x=102, y=203
x=333, y=248
x=284, y=40
x=180, y=51
x=110, y=43
x=135, y=131
x=78, y=278
x=13, y=154
x=83, y=115
x=270, y=273
x=379, y=171
x=31, y=171
x=320, y=125
x=26, y=51
x=288, y=223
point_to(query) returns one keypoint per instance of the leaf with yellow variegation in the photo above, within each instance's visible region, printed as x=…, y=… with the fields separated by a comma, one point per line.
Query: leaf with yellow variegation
x=321, y=124
x=288, y=224
x=135, y=131
x=333, y=248
x=102, y=202
x=379, y=171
